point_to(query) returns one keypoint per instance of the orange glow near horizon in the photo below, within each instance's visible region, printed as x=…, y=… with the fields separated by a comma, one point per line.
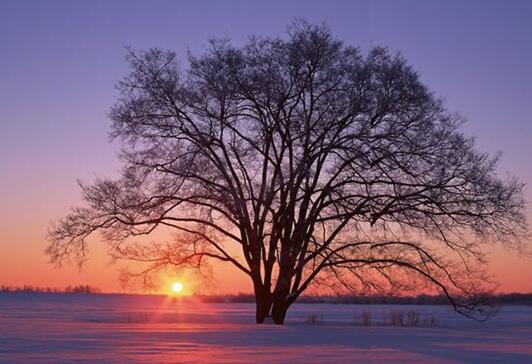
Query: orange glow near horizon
x=25, y=249
x=22, y=245
x=511, y=270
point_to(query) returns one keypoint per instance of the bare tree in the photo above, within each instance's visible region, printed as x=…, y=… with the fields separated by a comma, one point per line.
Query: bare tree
x=320, y=163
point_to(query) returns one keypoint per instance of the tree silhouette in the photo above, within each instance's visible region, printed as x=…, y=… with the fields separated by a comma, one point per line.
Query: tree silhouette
x=319, y=163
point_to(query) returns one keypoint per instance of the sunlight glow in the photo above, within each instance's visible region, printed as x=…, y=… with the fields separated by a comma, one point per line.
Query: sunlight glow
x=177, y=287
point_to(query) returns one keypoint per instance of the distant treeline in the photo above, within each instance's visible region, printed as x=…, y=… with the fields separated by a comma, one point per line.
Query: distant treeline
x=34, y=289
x=505, y=299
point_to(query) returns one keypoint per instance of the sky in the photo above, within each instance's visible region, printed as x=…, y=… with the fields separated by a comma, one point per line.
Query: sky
x=60, y=60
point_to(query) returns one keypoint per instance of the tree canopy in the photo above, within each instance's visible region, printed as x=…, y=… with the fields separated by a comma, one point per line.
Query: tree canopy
x=322, y=164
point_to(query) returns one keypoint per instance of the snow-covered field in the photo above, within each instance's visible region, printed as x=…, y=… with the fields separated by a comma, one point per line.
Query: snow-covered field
x=114, y=328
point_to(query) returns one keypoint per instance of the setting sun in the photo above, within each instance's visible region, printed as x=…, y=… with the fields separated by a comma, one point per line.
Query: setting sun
x=177, y=287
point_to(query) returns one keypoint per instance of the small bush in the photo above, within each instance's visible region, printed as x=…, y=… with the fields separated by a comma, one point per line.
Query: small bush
x=395, y=318
x=413, y=318
x=364, y=318
x=431, y=322
x=314, y=319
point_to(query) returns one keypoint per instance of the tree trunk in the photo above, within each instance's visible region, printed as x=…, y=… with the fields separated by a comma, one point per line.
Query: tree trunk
x=263, y=304
x=280, y=302
x=279, y=310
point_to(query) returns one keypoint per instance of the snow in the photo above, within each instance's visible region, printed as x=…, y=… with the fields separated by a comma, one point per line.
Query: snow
x=53, y=328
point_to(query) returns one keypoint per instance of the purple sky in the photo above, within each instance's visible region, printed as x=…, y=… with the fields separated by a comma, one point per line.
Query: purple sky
x=60, y=60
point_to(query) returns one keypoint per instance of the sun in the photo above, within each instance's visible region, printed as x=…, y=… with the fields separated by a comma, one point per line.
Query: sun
x=177, y=287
